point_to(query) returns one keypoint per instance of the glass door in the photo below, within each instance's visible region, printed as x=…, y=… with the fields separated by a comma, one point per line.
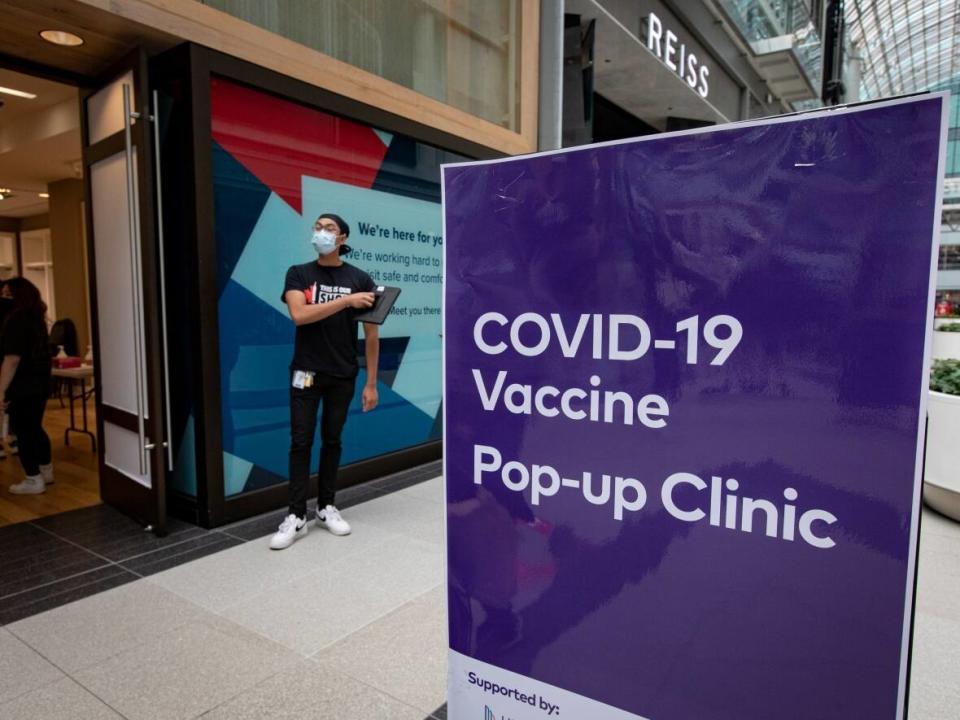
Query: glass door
x=124, y=269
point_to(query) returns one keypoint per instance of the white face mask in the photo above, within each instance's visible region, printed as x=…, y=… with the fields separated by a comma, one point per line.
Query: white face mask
x=324, y=242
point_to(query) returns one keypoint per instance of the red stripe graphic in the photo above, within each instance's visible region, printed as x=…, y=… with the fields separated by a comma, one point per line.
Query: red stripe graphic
x=280, y=141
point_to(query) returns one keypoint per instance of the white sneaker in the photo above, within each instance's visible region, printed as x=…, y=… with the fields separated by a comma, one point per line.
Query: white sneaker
x=330, y=518
x=46, y=472
x=32, y=485
x=291, y=529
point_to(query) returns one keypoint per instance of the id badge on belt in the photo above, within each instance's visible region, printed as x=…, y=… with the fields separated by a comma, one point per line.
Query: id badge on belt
x=302, y=379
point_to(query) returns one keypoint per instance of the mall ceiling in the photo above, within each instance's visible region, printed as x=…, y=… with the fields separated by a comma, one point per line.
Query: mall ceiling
x=39, y=141
x=906, y=45
x=40, y=135
x=107, y=37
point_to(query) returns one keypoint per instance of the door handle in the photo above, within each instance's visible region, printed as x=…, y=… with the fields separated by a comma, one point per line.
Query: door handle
x=168, y=424
x=134, y=220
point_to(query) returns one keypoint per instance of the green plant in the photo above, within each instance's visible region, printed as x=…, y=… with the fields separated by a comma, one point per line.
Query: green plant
x=949, y=327
x=945, y=376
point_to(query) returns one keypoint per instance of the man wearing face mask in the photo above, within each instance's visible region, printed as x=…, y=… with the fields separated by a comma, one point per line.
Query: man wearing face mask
x=323, y=297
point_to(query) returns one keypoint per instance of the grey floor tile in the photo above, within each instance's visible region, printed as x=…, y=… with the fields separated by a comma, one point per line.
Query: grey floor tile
x=935, y=684
x=439, y=714
x=934, y=538
x=22, y=669
x=428, y=470
x=403, y=654
x=107, y=532
x=52, y=595
x=396, y=484
x=60, y=700
x=313, y=612
x=934, y=523
x=84, y=633
x=93, y=519
x=245, y=571
x=20, y=539
x=34, y=557
x=405, y=515
x=183, y=552
x=938, y=572
x=257, y=527
x=305, y=693
x=186, y=671
x=356, y=495
x=428, y=490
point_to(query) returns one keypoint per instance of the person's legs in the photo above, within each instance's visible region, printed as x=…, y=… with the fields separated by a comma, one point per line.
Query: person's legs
x=45, y=456
x=303, y=424
x=337, y=396
x=26, y=418
x=44, y=451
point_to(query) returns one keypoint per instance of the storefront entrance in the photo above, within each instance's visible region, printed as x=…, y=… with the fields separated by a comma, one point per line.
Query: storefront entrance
x=43, y=240
x=78, y=163
x=80, y=221
x=175, y=168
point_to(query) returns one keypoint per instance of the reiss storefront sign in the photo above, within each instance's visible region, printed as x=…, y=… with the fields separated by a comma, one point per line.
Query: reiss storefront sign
x=673, y=53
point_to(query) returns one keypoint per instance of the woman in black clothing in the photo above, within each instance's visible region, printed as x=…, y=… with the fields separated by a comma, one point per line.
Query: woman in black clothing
x=6, y=306
x=25, y=382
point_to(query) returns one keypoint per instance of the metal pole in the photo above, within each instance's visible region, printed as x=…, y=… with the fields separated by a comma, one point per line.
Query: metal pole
x=134, y=221
x=833, y=88
x=551, y=75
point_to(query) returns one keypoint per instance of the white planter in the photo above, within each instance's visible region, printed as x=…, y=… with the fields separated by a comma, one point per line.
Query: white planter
x=946, y=345
x=938, y=321
x=941, y=481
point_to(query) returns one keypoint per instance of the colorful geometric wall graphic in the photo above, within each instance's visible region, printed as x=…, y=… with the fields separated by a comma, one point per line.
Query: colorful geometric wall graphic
x=276, y=166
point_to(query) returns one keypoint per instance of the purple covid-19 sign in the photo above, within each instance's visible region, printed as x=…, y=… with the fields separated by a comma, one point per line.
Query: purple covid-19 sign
x=684, y=390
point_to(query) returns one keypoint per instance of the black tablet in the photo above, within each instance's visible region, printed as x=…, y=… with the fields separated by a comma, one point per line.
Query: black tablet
x=386, y=296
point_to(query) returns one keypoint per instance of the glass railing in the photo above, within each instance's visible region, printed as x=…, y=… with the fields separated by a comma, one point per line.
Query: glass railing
x=767, y=19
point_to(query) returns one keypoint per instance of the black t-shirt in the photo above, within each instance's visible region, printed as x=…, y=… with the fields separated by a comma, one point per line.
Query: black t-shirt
x=328, y=346
x=25, y=335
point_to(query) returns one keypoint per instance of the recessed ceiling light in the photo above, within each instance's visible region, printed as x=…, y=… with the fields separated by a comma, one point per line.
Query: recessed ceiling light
x=61, y=37
x=43, y=195
x=17, y=93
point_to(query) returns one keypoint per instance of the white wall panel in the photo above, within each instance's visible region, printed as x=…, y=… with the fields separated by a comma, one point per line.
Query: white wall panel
x=121, y=451
x=105, y=109
x=111, y=241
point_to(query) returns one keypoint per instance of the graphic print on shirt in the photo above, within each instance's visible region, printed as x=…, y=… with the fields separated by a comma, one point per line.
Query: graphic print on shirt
x=320, y=293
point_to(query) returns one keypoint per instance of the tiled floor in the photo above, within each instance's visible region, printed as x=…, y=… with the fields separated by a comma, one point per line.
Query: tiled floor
x=239, y=631
x=349, y=627
x=54, y=560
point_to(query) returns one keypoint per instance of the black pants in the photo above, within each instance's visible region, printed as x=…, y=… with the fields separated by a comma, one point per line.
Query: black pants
x=26, y=422
x=335, y=394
